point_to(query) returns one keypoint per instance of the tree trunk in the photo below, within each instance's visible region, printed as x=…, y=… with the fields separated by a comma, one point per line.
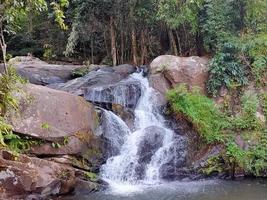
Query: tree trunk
x=30, y=23
x=122, y=47
x=134, y=46
x=92, y=51
x=3, y=46
x=4, y=57
x=113, y=42
x=172, y=42
x=143, y=48
x=179, y=42
x=199, y=44
x=106, y=43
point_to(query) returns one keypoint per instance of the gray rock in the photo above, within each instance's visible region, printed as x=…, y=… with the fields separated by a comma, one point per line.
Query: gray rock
x=41, y=73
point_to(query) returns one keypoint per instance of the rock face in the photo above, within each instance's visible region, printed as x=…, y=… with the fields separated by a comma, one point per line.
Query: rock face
x=126, y=93
x=105, y=86
x=168, y=71
x=41, y=73
x=57, y=117
x=23, y=176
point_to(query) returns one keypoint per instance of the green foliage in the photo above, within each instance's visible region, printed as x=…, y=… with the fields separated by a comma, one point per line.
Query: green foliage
x=79, y=72
x=58, y=8
x=8, y=85
x=226, y=70
x=175, y=13
x=215, y=127
x=254, y=47
x=248, y=120
x=234, y=154
x=217, y=22
x=256, y=162
x=201, y=111
x=264, y=104
x=22, y=44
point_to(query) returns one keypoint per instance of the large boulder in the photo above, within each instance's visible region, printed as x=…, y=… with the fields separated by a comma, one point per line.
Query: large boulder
x=125, y=93
x=23, y=177
x=64, y=122
x=40, y=72
x=102, y=76
x=106, y=86
x=167, y=71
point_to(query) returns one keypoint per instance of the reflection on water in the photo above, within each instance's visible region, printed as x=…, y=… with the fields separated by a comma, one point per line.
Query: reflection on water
x=200, y=190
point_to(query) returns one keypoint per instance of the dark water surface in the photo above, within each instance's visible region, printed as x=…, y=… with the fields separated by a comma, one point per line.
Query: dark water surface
x=200, y=190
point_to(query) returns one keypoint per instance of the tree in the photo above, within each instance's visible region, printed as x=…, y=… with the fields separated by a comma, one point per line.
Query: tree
x=12, y=10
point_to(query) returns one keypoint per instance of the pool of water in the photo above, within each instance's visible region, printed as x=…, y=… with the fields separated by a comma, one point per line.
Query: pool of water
x=199, y=190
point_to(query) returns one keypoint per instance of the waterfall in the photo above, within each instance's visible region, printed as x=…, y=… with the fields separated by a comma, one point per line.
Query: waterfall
x=146, y=151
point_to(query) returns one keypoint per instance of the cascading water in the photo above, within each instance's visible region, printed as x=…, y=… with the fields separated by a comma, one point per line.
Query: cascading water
x=147, y=150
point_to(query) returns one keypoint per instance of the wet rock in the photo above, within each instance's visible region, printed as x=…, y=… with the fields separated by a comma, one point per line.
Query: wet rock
x=152, y=141
x=40, y=72
x=125, y=93
x=103, y=76
x=172, y=169
x=112, y=130
x=126, y=114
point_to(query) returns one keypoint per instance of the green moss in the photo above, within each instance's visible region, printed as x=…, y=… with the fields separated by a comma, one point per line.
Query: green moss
x=213, y=165
x=91, y=176
x=45, y=125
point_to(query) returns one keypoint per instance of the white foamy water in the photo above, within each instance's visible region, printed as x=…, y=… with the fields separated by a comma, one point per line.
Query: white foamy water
x=125, y=172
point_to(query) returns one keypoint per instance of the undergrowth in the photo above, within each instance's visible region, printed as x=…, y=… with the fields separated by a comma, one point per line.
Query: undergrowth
x=216, y=127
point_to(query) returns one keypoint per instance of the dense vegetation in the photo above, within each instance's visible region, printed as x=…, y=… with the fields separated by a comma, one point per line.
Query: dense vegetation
x=217, y=126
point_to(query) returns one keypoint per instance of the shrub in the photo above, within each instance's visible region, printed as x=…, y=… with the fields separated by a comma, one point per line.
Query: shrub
x=201, y=111
x=248, y=120
x=226, y=70
x=8, y=84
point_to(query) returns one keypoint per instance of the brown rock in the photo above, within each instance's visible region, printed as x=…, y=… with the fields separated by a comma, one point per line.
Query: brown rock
x=24, y=175
x=56, y=117
x=160, y=83
x=192, y=71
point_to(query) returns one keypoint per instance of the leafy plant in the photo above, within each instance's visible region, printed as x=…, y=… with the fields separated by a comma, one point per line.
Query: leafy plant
x=8, y=85
x=248, y=120
x=226, y=70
